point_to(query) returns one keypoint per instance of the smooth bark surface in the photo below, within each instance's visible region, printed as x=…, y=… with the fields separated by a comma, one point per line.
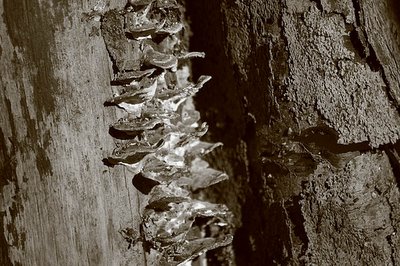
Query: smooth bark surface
x=60, y=205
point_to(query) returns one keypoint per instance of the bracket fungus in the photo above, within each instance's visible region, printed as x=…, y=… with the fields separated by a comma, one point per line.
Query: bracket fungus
x=144, y=93
x=146, y=42
x=158, y=59
x=125, y=78
x=137, y=126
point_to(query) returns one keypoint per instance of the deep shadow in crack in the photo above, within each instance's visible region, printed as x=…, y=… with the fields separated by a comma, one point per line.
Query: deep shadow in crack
x=223, y=105
x=220, y=105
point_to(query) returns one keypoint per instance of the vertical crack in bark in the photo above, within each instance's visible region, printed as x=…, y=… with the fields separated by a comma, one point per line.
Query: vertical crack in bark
x=295, y=216
x=357, y=11
x=389, y=240
x=392, y=212
x=360, y=41
x=394, y=160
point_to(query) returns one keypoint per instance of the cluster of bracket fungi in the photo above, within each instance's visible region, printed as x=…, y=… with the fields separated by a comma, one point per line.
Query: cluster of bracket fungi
x=147, y=43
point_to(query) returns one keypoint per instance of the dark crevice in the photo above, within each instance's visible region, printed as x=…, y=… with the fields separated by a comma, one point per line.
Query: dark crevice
x=394, y=160
x=392, y=248
x=388, y=90
x=319, y=4
x=366, y=50
x=357, y=12
x=219, y=101
x=295, y=214
x=358, y=40
x=324, y=138
x=233, y=105
x=221, y=105
x=374, y=64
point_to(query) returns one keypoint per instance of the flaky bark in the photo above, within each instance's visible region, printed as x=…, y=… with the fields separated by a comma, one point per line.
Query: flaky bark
x=305, y=98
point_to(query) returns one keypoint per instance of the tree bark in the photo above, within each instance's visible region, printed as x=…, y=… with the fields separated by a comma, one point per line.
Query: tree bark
x=59, y=204
x=305, y=97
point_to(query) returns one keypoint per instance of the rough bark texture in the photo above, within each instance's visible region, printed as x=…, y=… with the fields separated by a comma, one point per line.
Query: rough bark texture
x=59, y=204
x=305, y=97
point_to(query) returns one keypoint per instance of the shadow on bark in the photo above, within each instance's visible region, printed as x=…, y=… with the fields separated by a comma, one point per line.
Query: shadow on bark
x=227, y=104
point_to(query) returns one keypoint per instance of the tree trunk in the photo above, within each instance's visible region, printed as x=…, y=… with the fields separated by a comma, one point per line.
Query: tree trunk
x=59, y=204
x=305, y=96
